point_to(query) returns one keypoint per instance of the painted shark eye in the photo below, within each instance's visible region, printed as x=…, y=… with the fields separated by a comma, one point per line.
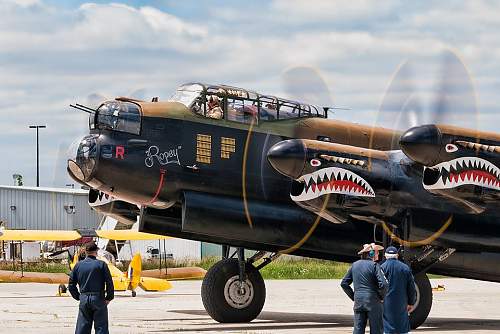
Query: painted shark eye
x=315, y=162
x=450, y=148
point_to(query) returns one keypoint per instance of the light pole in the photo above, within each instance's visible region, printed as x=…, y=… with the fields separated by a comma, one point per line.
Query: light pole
x=37, y=152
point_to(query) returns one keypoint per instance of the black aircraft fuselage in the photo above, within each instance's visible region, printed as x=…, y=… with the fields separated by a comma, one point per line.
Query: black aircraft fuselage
x=276, y=175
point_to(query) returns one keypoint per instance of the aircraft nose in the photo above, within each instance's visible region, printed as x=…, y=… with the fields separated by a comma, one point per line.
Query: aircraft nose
x=288, y=157
x=82, y=158
x=422, y=144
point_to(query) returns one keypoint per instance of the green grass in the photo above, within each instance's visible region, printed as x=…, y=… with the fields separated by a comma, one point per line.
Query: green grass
x=304, y=269
x=283, y=268
x=295, y=268
x=47, y=267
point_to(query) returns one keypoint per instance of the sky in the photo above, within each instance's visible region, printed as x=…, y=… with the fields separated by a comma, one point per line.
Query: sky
x=53, y=53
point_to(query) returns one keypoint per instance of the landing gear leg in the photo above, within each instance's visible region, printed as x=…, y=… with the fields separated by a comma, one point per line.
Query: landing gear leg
x=225, y=251
x=233, y=289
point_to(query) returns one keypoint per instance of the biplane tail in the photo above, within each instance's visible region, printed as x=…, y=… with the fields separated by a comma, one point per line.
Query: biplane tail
x=146, y=283
x=134, y=271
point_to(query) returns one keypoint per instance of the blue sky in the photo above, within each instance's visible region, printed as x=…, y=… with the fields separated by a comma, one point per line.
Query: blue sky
x=53, y=53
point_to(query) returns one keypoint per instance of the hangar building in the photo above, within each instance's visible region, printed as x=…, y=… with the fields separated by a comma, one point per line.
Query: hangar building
x=39, y=208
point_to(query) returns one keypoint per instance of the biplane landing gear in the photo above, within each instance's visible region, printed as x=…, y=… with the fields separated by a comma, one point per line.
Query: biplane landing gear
x=61, y=289
x=233, y=289
x=134, y=293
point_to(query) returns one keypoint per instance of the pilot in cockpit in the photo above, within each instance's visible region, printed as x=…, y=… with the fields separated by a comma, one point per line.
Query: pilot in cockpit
x=214, y=109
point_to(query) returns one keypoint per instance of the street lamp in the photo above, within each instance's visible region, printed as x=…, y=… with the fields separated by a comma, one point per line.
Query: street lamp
x=37, y=152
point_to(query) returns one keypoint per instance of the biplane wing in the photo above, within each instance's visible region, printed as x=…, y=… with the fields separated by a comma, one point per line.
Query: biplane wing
x=122, y=281
x=42, y=235
x=8, y=276
x=39, y=235
x=154, y=284
x=129, y=235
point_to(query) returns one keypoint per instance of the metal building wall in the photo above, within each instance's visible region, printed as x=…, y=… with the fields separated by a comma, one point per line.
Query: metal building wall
x=44, y=209
x=179, y=248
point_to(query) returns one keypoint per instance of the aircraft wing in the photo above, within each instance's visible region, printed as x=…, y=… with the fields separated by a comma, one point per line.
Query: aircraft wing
x=128, y=235
x=39, y=235
x=32, y=277
x=42, y=235
x=154, y=284
x=120, y=283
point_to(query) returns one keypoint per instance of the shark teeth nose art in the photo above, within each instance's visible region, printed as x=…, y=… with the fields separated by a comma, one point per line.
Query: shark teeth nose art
x=462, y=171
x=332, y=180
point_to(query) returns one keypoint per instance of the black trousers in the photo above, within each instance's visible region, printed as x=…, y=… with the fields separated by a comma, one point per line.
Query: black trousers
x=369, y=311
x=92, y=309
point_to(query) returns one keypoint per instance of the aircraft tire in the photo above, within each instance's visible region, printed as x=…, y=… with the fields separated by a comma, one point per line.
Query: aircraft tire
x=222, y=299
x=424, y=301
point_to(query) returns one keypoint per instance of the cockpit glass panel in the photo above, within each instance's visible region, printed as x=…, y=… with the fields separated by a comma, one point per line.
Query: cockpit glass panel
x=187, y=94
x=242, y=111
x=119, y=116
x=92, y=121
x=288, y=110
x=268, y=108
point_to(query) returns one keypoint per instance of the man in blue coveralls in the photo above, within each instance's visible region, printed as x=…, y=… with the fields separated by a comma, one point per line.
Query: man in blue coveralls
x=93, y=278
x=401, y=295
x=370, y=286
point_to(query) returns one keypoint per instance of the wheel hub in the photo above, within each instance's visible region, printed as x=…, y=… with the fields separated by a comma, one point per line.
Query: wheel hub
x=417, y=300
x=238, y=294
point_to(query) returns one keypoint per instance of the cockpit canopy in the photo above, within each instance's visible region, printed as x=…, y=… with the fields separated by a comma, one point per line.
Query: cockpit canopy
x=117, y=115
x=240, y=105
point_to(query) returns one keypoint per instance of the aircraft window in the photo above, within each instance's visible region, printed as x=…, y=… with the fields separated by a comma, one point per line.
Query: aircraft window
x=187, y=95
x=243, y=111
x=119, y=116
x=305, y=111
x=268, y=110
x=92, y=121
x=314, y=111
x=288, y=110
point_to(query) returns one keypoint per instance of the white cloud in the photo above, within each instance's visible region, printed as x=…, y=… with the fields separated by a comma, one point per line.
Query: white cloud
x=320, y=10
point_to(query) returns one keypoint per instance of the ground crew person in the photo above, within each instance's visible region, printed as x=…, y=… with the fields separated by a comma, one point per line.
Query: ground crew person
x=370, y=286
x=93, y=278
x=401, y=295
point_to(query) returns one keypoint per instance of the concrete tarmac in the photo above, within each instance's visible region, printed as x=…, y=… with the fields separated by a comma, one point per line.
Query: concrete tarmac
x=292, y=306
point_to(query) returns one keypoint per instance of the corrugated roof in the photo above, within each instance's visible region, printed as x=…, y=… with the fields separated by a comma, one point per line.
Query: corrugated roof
x=48, y=189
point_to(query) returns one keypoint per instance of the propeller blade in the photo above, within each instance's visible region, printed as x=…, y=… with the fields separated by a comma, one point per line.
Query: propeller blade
x=305, y=84
x=401, y=107
x=455, y=103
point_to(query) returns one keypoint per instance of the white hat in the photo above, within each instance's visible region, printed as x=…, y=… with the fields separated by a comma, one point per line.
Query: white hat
x=369, y=247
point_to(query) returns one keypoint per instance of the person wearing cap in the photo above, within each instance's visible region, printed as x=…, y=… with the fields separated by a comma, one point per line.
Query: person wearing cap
x=401, y=295
x=96, y=291
x=370, y=286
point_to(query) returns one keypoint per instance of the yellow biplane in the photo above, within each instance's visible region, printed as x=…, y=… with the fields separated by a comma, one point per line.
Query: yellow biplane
x=123, y=281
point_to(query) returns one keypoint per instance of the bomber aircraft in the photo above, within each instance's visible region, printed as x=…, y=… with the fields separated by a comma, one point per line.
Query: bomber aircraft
x=231, y=166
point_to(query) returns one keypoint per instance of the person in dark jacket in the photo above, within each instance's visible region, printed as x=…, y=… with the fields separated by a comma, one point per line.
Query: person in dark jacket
x=370, y=286
x=401, y=295
x=96, y=291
